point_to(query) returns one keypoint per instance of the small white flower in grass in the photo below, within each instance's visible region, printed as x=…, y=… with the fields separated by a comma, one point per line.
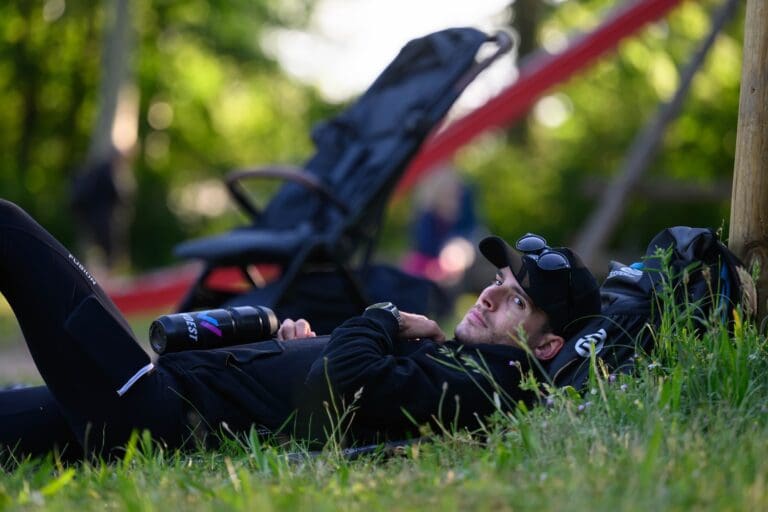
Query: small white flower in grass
x=653, y=366
x=225, y=426
x=550, y=401
x=593, y=391
x=612, y=377
x=542, y=477
x=583, y=407
x=623, y=387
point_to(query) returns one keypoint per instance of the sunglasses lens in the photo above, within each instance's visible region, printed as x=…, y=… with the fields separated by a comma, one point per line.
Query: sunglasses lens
x=553, y=261
x=530, y=243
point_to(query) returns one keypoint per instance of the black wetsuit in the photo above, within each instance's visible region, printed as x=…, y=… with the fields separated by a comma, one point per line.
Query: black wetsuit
x=90, y=362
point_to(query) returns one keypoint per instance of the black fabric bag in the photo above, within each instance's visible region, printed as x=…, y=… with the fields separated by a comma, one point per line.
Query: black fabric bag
x=685, y=268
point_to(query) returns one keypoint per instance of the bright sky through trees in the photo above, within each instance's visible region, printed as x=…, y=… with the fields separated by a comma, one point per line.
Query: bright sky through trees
x=348, y=42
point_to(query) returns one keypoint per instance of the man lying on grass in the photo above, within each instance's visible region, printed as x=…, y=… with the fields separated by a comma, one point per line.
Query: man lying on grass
x=392, y=371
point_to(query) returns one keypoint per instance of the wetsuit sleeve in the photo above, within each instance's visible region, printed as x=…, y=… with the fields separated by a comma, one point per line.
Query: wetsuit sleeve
x=360, y=358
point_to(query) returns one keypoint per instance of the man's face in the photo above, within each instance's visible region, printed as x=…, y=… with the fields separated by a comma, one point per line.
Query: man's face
x=500, y=311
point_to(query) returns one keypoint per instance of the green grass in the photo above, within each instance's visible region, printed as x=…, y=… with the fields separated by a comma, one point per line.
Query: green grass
x=689, y=432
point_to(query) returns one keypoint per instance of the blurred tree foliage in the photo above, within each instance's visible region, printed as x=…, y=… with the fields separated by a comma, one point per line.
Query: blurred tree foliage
x=579, y=133
x=210, y=100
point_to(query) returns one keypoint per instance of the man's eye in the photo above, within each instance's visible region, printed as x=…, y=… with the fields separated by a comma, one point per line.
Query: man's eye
x=498, y=281
x=519, y=302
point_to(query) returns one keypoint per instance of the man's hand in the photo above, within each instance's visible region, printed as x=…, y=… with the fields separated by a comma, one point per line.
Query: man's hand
x=290, y=330
x=418, y=326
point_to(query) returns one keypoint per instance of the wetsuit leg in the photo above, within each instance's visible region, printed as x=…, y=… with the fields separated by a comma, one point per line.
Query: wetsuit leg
x=81, y=344
x=31, y=423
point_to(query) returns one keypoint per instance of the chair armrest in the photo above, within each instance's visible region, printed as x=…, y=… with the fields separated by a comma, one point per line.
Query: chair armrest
x=294, y=174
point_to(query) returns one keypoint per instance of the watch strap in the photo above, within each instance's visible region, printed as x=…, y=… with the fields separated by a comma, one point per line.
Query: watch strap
x=391, y=308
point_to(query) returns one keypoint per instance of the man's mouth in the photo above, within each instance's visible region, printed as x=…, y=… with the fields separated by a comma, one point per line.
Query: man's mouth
x=476, y=317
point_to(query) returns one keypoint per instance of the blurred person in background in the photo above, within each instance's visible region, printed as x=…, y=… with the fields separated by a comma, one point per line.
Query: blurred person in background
x=444, y=233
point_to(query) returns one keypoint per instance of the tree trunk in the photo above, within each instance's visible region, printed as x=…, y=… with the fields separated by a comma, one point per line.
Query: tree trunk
x=114, y=72
x=524, y=19
x=101, y=189
x=749, y=201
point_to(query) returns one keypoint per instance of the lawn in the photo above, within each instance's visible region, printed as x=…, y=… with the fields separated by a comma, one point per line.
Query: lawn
x=689, y=431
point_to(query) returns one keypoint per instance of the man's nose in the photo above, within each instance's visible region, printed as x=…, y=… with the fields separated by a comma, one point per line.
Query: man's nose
x=489, y=297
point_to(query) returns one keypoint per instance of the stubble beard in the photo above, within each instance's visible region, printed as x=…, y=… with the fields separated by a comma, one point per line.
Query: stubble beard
x=489, y=336
x=468, y=338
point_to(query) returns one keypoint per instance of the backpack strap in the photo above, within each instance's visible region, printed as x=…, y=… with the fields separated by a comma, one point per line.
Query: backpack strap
x=614, y=335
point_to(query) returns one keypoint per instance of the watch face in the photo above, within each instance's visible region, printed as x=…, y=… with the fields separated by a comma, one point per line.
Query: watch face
x=388, y=306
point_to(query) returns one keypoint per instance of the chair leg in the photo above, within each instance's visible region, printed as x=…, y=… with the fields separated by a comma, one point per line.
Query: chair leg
x=193, y=298
x=356, y=283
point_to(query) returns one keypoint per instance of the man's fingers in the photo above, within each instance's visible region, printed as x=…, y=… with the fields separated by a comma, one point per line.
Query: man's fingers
x=285, y=328
x=302, y=329
x=419, y=326
x=433, y=331
x=292, y=329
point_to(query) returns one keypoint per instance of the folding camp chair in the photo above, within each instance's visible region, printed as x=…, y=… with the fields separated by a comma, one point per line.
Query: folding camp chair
x=328, y=214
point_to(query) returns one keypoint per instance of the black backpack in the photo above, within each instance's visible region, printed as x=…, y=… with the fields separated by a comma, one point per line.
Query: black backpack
x=684, y=268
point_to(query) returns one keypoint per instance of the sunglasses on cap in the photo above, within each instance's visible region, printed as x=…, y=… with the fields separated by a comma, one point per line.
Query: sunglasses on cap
x=535, y=247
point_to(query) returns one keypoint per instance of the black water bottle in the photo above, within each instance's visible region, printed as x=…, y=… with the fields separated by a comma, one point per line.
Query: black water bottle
x=211, y=329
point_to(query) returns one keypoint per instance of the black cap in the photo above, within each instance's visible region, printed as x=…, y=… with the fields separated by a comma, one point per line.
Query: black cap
x=568, y=296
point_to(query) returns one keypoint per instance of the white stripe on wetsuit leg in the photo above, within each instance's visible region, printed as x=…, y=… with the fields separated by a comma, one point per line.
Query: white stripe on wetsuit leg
x=139, y=374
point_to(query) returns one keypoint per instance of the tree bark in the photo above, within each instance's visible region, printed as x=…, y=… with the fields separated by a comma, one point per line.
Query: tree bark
x=749, y=201
x=114, y=73
x=524, y=19
x=101, y=188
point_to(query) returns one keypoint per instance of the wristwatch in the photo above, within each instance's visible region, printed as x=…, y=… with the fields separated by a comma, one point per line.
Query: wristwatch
x=388, y=306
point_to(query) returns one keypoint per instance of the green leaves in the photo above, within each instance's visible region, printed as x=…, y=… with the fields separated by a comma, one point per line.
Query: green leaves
x=552, y=178
x=229, y=103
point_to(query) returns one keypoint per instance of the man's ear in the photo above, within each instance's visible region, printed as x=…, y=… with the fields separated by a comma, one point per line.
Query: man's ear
x=550, y=345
